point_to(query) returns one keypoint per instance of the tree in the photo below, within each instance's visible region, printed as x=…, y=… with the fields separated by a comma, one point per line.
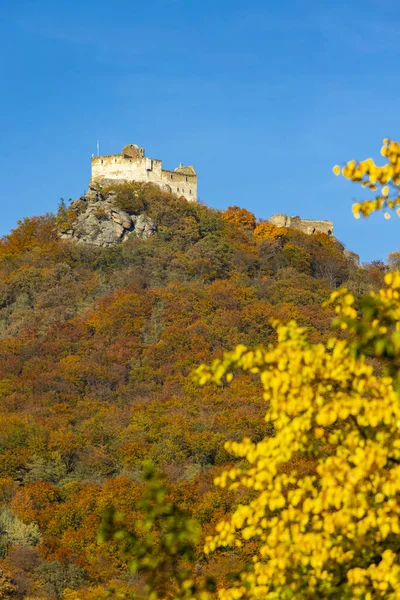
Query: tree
x=15, y=532
x=8, y=589
x=96, y=347
x=128, y=196
x=394, y=261
x=296, y=257
x=324, y=516
x=58, y=576
x=160, y=543
x=239, y=217
x=332, y=529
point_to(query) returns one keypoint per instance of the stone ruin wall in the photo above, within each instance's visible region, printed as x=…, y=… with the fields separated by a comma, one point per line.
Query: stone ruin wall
x=308, y=226
x=311, y=226
x=132, y=165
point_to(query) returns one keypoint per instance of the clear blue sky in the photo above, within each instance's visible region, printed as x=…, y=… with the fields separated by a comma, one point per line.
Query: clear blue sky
x=263, y=97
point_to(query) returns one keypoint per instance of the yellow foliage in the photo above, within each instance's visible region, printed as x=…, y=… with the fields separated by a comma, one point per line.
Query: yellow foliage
x=239, y=217
x=368, y=174
x=268, y=231
x=332, y=531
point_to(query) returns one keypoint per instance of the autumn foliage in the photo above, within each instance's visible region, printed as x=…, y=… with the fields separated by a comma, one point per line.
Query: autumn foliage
x=332, y=529
x=323, y=518
x=96, y=351
x=370, y=175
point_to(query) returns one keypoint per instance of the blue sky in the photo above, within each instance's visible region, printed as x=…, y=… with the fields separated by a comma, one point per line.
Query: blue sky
x=262, y=97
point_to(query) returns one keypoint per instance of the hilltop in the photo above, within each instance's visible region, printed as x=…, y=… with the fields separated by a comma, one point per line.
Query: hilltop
x=97, y=343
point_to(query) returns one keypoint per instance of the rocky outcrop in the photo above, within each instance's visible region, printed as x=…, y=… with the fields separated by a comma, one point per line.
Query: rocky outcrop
x=94, y=219
x=144, y=226
x=122, y=218
x=352, y=257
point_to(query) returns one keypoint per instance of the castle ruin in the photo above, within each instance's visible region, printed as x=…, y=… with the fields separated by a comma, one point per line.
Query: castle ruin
x=305, y=225
x=133, y=165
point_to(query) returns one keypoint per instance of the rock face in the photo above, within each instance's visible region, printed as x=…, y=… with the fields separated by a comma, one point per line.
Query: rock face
x=144, y=226
x=100, y=223
x=352, y=257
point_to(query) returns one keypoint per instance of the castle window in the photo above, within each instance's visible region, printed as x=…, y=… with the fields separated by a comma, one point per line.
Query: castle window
x=178, y=189
x=101, y=161
x=171, y=176
x=186, y=179
x=190, y=191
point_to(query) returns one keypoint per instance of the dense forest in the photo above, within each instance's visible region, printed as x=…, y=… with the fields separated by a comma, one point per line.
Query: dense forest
x=97, y=348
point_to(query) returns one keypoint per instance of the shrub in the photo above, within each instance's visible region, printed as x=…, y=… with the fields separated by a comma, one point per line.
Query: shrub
x=128, y=196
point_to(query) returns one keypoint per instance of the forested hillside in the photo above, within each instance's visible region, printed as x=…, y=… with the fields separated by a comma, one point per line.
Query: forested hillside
x=97, y=346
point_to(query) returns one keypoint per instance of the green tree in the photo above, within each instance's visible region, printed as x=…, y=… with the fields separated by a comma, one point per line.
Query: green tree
x=161, y=545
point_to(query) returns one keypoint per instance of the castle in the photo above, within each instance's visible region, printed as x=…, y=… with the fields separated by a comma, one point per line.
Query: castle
x=133, y=165
x=306, y=225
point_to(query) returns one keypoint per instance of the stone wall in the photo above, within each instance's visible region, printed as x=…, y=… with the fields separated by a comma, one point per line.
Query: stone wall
x=132, y=165
x=306, y=225
x=182, y=184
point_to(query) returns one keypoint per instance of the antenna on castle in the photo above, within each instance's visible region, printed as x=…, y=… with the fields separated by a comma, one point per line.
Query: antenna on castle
x=98, y=148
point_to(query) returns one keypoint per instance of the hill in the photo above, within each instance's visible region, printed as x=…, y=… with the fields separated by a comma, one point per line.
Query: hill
x=96, y=349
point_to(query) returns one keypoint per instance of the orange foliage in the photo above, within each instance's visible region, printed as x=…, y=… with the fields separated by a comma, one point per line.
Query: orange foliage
x=30, y=233
x=32, y=503
x=269, y=231
x=239, y=217
x=96, y=345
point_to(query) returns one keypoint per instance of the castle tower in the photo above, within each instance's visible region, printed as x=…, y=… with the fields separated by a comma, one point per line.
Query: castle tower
x=133, y=165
